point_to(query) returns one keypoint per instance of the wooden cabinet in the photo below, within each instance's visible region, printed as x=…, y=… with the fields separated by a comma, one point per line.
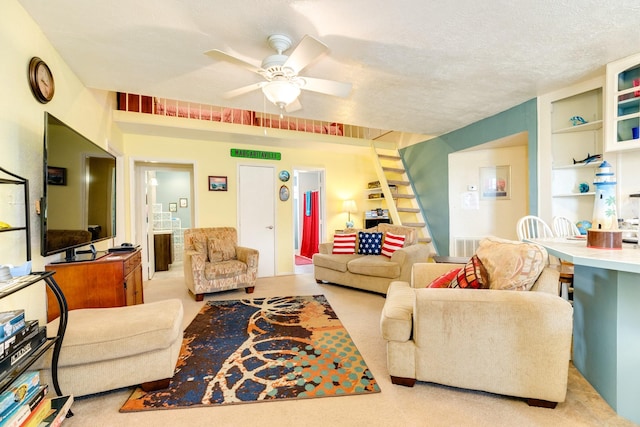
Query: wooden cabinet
x=163, y=250
x=372, y=222
x=114, y=280
x=623, y=104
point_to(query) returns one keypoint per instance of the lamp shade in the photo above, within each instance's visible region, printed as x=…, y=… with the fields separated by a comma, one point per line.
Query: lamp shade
x=349, y=206
x=281, y=92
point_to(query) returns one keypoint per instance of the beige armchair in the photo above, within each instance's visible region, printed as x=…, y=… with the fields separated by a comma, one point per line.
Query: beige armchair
x=213, y=261
x=509, y=342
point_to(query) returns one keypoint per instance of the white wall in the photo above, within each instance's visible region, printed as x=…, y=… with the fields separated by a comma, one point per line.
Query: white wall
x=487, y=217
x=21, y=132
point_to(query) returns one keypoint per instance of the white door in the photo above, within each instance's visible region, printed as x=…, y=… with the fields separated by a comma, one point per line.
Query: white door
x=256, y=214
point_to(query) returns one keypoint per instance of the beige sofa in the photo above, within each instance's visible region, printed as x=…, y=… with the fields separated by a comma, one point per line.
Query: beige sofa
x=214, y=262
x=509, y=342
x=371, y=272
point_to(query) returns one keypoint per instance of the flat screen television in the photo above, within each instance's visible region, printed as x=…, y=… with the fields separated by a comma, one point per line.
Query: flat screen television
x=78, y=207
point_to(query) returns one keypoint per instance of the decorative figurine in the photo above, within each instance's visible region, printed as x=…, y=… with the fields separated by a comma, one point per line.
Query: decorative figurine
x=577, y=120
x=583, y=187
x=604, y=231
x=588, y=159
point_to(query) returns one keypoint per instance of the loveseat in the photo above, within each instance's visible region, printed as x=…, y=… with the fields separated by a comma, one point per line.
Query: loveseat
x=370, y=272
x=214, y=262
x=498, y=339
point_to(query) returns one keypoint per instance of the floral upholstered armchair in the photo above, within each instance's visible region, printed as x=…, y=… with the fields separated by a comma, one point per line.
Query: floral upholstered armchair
x=214, y=262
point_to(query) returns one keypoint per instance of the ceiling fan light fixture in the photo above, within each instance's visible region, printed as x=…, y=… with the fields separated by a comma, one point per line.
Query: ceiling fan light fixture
x=281, y=92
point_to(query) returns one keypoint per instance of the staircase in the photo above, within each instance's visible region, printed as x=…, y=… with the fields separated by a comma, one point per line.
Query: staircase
x=395, y=187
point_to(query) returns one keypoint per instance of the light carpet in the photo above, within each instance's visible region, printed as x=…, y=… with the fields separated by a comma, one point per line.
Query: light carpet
x=262, y=349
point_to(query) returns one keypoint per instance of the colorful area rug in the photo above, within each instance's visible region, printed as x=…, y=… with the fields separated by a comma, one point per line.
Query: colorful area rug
x=301, y=260
x=261, y=349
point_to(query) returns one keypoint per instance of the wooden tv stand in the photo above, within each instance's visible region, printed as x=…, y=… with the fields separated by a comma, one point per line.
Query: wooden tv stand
x=114, y=280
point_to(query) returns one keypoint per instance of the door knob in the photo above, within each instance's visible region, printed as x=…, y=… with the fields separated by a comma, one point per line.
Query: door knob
x=270, y=227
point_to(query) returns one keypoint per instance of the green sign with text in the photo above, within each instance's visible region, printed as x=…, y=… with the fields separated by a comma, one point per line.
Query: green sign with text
x=255, y=154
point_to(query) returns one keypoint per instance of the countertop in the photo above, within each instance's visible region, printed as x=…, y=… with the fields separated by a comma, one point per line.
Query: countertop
x=577, y=252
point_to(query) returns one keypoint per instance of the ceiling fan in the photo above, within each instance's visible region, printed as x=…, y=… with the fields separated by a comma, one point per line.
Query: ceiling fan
x=282, y=83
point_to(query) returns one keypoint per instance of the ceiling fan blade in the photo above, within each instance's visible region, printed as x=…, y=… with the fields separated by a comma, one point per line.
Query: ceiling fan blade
x=222, y=56
x=304, y=53
x=294, y=106
x=328, y=87
x=242, y=90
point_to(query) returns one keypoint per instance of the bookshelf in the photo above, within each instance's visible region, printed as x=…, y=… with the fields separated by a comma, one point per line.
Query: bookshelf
x=16, y=367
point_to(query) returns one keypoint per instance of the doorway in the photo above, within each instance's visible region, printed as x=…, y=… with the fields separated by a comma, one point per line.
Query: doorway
x=309, y=216
x=163, y=208
x=473, y=216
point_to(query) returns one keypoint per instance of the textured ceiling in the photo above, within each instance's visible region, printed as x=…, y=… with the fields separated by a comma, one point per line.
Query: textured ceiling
x=420, y=66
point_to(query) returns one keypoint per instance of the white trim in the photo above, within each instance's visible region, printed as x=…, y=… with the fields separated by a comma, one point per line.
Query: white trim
x=135, y=176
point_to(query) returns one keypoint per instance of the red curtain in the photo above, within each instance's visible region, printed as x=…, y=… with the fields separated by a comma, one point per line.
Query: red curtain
x=310, y=226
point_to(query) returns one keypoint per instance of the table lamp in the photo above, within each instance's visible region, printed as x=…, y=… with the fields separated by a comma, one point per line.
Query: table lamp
x=350, y=207
x=604, y=232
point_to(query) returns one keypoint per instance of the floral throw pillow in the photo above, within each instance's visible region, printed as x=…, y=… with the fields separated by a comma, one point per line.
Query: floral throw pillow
x=344, y=244
x=444, y=280
x=369, y=243
x=472, y=276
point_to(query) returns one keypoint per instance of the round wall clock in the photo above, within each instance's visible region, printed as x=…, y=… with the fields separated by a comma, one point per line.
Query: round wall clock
x=284, y=176
x=41, y=80
x=284, y=193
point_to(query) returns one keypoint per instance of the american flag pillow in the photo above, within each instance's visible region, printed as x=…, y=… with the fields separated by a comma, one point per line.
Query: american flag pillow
x=344, y=243
x=392, y=242
x=369, y=243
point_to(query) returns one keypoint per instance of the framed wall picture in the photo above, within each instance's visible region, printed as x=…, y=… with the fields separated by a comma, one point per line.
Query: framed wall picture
x=217, y=183
x=495, y=182
x=56, y=176
x=173, y=207
x=284, y=193
x=183, y=202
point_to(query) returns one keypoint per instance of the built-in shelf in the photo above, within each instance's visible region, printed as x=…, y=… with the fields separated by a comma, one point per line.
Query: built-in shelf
x=594, y=125
x=592, y=165
x=590, y=193
x=569, y=143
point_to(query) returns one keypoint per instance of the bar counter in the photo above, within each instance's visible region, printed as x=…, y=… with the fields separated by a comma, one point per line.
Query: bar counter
x=606, y=319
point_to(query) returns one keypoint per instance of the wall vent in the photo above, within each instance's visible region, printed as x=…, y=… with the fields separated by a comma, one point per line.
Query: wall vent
x=466, y=246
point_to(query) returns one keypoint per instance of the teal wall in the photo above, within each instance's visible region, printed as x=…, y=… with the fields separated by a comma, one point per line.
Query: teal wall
x=427, y=168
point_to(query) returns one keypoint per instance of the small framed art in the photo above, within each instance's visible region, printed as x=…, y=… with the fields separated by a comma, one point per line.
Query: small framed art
x=495, y=182
x=56, y=176
x=173, y=207
x=183, y=202
x=217, y=183
x=284, y=193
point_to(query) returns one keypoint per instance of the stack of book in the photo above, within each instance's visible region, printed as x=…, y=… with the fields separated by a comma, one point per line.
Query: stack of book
x=376, y=213
x=25, y=404
x=18, y=339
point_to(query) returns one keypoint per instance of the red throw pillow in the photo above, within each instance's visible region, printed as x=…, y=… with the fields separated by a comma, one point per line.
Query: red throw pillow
x=344, y=244
x=392, y=242
x=444, y=280
x=473, y=276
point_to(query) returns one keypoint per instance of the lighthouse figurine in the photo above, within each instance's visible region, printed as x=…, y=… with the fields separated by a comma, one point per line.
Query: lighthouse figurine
x=604, y=233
